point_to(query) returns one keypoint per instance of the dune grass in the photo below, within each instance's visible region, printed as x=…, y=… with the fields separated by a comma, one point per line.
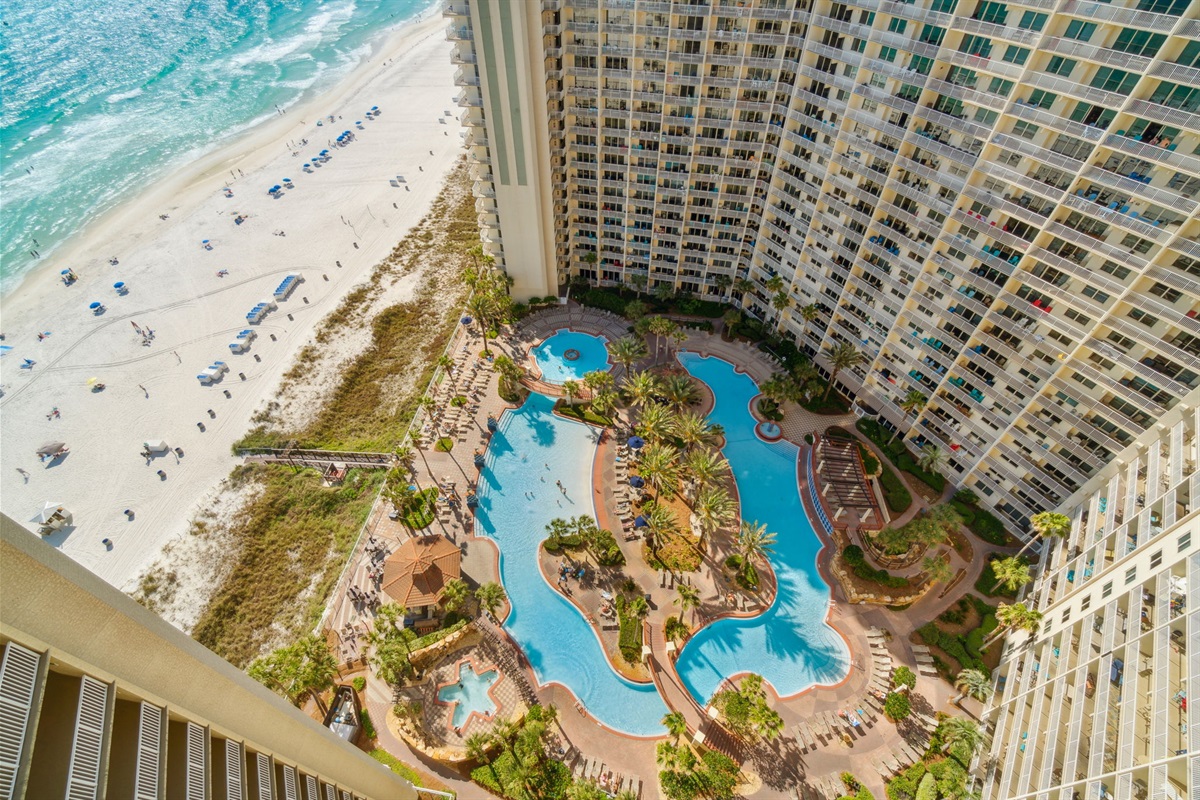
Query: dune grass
x=289, y=546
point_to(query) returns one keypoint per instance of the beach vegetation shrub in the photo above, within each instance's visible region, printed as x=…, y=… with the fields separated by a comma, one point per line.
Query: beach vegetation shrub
x=368, y=727
x=630, y=613
x=853, y=557
x=903, y=676
x=397, y=766
x=444, y=445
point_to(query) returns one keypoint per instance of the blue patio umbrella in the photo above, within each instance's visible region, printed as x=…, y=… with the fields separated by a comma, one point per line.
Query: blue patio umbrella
x=374, y=108
x=204, y=241
x=640, y=522
x=466, y=320
x=323, y=152
x=637, y=482
x=287, y=180
x=65, y=272
x=94, y=306
x=636, y=442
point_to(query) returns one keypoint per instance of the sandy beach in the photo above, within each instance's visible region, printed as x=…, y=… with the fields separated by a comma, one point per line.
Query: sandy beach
x=347, y=211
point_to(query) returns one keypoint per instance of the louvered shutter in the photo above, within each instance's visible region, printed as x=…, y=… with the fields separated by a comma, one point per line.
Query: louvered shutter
x=83, y=773
x=262, y=776
x=310, y=788
x=289, y=790
x=235, y=774
x=18, y=681
x=197, y=762
x=148, y=764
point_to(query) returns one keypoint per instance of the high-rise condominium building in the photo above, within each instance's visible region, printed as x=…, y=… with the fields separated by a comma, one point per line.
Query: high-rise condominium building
x=1095, y=704
x=101, y=699
x=995, y=202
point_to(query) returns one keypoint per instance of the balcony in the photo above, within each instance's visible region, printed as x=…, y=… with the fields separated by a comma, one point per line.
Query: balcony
x=1041, y=116
x=1110, y=58
x=1164, y=114
x=456, y=10
x=459, y=34
x=1162, y=23
x=1116, y=216
x=1164, y=155
x=1062, y=86
x=1141, y=188
x=992, y=30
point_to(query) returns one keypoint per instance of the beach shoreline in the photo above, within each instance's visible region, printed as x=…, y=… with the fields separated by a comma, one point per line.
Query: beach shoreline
x=332, y=228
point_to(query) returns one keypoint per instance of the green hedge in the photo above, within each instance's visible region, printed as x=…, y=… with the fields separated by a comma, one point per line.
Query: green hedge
x=986, y=584
x=397, y=766
x=953, y=646
x=599, y=298
x=436, y=636
x=853, y=556
x=630, y=639
x=987, y=527
x=895, y=493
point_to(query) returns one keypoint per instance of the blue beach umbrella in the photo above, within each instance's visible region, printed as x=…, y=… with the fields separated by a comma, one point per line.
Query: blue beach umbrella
x=374, y=108
x=65, y=272
x=637, y=482
x=94, y=306
x=466, y=320
x=640, y=522
x=636, y=442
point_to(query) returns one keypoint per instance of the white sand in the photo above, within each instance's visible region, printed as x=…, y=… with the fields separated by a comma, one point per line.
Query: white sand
x=176, y=292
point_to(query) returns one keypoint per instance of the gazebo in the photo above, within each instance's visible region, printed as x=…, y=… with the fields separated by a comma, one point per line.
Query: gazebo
x=415, y=575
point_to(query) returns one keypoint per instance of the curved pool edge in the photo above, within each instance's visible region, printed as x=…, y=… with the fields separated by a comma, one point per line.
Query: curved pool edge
x=536, y=680
x=538, y=374
x=820, y=557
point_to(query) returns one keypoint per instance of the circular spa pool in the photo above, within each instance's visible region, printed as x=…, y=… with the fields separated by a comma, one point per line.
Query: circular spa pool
x=568, y=356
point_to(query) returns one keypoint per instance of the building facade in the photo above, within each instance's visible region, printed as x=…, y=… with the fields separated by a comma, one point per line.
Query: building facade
x=1095, y=705
x=100, y=698
x=996, y=202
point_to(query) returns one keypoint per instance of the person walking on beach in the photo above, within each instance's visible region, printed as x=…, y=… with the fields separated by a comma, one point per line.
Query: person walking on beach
x=136, y=327
x=177, y=358
x=144, y=390
x=24, y=474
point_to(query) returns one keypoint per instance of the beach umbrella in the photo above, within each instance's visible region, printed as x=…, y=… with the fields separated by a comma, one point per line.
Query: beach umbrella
x=65, y=272
x=204, y=241
x=323, y=152
x=90, y=381
x=5, y=349
x=640, y=522
x=636, y=442
x=374, y=108
x=51, y=448
x=49, y=509
x=466, y=320
x=637, y=482
x=287, y=180
x=94, y=306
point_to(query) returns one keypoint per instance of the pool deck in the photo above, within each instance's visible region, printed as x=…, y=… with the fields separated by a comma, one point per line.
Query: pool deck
x=804, y=761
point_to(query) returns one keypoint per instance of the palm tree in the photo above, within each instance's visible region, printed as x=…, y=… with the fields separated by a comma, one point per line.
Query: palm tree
x=660, y=523
x=932, y=458
x=742, y=285
x=571, y=390
x=676, y=725
x=661, y=328
x=482, y=305
x=704, y=466
x=641, y=388
x=604, y=403
x=766, y=721
x=636, y=309
x=962, y=733
x=455, y=594
x=490, y=597
x=659, y=466
x=1047, y=523
x=688, y=599
x=937, y=569
x=656, y=422
x=628, y=350
x=754, y=541
x=842, y=355
x=803, y=373
x=679, y=391
x=692, y=429
x=478, y=745
x=714, y=508
x=774, y=283
x=808, y=313
x=1015, y=617
x=1012, y=572
x=732, y=318
x=598, y=380
x=723, y=282
x=780, y=302
x=508, y=370
x=912, y=402
x=638, y=607
x=972, y=683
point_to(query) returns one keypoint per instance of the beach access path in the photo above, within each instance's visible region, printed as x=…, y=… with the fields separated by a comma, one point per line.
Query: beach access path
x=347, y=210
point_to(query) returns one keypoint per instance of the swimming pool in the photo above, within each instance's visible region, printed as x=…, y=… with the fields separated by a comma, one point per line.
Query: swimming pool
x=531, y=449
x=790, y=645
x=569, y=355
x=470, y=694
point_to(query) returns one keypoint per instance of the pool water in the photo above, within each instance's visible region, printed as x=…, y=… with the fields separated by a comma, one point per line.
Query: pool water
x=790, y=645
x=470, y=694
x=532, y=449
x=552, y=356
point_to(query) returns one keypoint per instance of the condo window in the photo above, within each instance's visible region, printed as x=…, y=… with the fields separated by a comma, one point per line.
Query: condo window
x=1173, y=7
x=1082, y=319
x=1026, y=130
x=897, y=25
x=1165, y=292
x=1107, y=590
x=1016, y=55
x=1114, y=80
x=946, y=6
x=1061, y=66
x=1096, y=294
x=1156, y=559
x=1138, y=42
x=1041, y=98
x=932, y=34
x=1116, y=270
x=1185, y=541
x=1033, y=21
x=1078, y=29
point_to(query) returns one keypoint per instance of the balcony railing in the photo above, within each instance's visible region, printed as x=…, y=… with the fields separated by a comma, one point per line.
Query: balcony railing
x=1166, y=114
x=1087, y=9
x=1153, y=152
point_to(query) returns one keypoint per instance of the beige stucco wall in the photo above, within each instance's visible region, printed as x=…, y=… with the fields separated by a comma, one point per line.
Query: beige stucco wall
x=49, y=602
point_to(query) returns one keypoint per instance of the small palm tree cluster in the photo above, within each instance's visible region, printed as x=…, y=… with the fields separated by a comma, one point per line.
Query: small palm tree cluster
x=754, y=544
x=510, y=374
x=686, y=775
x=800, y=383
x=665, y=332
x=517, y=758
x=489, y=303
x=744, y=710
x=301, y=670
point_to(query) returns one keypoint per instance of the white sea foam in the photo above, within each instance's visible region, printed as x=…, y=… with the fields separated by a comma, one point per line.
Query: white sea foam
x=119, y=96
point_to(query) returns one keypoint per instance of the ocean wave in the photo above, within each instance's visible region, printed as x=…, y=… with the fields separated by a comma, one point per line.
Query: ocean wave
x=119, y=96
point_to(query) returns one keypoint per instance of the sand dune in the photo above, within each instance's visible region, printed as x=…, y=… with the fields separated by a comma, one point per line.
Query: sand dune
x=346, y=211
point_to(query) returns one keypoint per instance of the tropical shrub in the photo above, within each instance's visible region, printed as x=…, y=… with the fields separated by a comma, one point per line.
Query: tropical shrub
x=853, y=556
x=896, y=706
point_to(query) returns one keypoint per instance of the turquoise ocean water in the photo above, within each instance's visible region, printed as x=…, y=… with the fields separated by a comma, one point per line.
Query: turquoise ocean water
x=101, y=98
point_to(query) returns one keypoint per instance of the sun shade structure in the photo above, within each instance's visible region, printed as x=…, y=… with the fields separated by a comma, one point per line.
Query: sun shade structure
x=415, y=575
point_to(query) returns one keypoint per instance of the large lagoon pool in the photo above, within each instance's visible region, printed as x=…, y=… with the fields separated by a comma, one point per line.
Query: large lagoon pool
x=790, y=645
x=568, y=355
x=531, y=450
